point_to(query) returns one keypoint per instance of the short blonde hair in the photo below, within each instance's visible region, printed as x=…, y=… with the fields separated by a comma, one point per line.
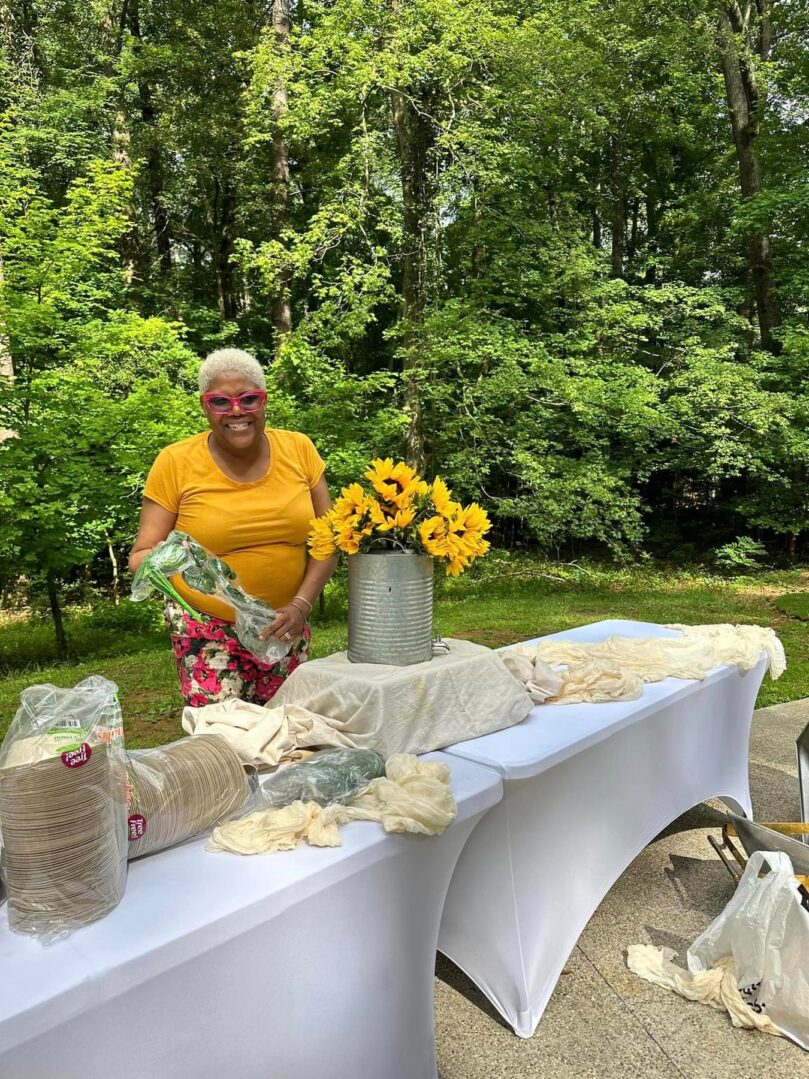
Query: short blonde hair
x=230, y=361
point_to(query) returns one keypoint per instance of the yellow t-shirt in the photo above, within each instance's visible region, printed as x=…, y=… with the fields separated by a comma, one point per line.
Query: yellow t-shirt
x=258, y=528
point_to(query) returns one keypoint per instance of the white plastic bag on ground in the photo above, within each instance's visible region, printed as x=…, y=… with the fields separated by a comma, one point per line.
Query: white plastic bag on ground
x=765, y=928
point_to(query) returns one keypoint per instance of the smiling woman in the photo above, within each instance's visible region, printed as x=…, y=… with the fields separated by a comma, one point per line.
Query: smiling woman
x=246, y=493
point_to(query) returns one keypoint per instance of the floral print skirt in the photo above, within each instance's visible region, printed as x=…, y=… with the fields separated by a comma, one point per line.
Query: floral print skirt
x=213, y=665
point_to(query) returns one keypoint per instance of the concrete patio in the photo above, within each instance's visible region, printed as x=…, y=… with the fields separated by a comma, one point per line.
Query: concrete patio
x=603, y=1021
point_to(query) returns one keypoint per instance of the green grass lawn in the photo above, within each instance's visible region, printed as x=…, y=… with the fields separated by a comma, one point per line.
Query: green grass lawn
x=507, y=599
x=797, y=605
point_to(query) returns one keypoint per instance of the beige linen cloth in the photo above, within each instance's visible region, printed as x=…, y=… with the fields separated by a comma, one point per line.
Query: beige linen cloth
x=463, y=694
x=715, y=987
x=265, y=736
x=569, y=672
x=412, y=796
x=332, y=702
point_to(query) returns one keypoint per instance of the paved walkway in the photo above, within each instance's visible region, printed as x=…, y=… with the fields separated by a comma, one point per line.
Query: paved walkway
x=604, y=1022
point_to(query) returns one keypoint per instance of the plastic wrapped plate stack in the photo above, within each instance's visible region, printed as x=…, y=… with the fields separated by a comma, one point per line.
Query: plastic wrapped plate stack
x=181, y=790
x=62, y=842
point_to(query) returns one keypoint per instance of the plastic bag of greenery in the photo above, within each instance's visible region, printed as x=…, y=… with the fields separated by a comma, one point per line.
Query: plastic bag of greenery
x=181, y=790
x=333, y=775
x=180, y=554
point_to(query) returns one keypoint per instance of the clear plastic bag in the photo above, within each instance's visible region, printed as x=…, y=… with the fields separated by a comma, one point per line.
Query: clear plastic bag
x=180, y=554
x=63, y=808
x=332, y=775
x=181, y=790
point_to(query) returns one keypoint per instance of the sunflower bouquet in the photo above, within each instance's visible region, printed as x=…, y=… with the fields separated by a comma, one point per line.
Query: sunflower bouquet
x=398, y=510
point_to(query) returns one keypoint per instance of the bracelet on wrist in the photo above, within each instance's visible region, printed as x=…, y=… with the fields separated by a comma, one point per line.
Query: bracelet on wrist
x=305, y=600
x=300, y=610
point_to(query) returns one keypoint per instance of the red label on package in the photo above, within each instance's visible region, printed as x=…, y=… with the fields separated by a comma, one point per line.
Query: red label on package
x=75, y=758
x=137, y=827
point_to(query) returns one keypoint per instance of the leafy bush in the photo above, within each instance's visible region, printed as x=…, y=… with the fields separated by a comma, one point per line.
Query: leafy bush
x=741, y=556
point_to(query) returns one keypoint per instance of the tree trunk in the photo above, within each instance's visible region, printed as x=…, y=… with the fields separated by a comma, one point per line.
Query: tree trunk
x=414, y=141
x=651, y=233
x=745, y=38
x=477, y=246
x=553, y=210
x=282, y=304
x=6, y=359
x=633, y=230
x=113, y=21
x=223, y=246
x=618, y=202
x=56, y=612
x=154, y=164
x=116, y=577
x=595, y=209
x=21, y=35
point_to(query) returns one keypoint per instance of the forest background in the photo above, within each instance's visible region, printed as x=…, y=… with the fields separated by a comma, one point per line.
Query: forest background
x=554, y=251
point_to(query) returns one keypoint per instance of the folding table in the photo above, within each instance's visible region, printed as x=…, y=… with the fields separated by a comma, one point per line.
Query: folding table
x=300, y=965
x=586, y=787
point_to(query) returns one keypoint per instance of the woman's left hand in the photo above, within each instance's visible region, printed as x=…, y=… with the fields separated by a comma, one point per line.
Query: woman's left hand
x=287, y=625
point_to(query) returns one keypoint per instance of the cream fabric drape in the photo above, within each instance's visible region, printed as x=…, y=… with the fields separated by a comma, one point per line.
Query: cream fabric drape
x=715, y=987
x=568, y=672
x=412, y=796
x=265, y=736
x=415, y=709
x=473, y=691
x=333, y=703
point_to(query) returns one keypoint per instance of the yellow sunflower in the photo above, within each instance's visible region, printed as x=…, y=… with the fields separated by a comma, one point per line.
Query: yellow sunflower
x=321, y=537
x=464, y=538
x=353, y=518
x=348, y=543
x=442, y=500
x=353, y=503
x=395, y=483
x=348, y=537
x=473, y=519
x=433, y=534
x=387, y=518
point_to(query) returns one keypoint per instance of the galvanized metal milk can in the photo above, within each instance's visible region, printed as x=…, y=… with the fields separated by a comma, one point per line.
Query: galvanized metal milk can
x=390, y=607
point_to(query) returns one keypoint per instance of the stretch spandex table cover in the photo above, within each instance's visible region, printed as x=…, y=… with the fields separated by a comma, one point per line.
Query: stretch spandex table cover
x=587, y=786
x=302, y=965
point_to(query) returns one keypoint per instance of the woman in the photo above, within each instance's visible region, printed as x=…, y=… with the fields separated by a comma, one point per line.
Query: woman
x=247, y=494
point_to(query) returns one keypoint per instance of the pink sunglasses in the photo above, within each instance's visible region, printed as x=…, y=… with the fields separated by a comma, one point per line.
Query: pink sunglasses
x=222, y=403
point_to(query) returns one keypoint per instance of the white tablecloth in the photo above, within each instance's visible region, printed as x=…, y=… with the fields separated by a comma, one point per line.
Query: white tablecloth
x=303, y=965
x=587, y=786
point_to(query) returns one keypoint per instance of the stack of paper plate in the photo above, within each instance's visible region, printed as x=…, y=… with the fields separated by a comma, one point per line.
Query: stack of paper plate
x=182, y=790
x=62, y=841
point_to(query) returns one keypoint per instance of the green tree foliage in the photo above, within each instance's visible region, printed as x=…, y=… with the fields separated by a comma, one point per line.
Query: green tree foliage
x=517, y=242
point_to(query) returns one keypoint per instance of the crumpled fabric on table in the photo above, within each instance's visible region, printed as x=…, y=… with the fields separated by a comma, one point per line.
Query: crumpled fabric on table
x=412, y=796
x=265, y=735
x=616, y=669
x=462, y=694
x=540, y=680
x=332, y=703
x=715, y=987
